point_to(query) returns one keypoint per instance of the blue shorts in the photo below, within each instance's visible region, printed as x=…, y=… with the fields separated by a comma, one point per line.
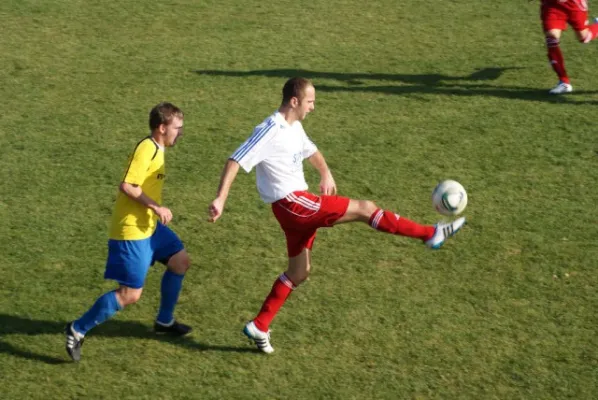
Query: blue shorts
x=129, y=260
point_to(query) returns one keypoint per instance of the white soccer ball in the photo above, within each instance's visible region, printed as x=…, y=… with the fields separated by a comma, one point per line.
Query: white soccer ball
x=449, y=198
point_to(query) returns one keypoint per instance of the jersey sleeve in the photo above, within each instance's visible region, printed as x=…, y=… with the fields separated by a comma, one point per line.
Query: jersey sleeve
x=139, y=162
x=309, y=148
x=256, y=148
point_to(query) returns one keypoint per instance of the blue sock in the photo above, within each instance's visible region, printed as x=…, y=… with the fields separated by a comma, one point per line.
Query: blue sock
x=105, y=307
x=171, y=287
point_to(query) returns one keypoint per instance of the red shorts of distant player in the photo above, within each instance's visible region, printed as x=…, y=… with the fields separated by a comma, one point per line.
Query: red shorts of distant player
x=557, y=15
x=301, y=213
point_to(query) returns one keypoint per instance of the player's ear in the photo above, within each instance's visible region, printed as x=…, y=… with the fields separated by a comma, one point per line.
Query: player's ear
x=162, y=129
x=294, y=102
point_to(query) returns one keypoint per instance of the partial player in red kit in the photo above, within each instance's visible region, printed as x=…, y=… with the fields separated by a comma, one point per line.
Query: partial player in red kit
x=556, y=14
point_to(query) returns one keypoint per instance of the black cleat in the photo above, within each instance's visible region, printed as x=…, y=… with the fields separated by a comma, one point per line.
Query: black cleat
x=73, y=345
x=174, y=329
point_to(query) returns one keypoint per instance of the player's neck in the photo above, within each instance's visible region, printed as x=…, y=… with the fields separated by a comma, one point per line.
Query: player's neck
x=158, y=139
x=289, y=114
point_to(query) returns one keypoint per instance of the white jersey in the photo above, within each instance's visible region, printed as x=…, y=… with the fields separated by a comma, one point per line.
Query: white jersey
x=277, y=150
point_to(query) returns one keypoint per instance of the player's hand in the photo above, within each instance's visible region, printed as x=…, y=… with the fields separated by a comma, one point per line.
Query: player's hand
x=215, y=210
x=164, y=214
x=327, y=185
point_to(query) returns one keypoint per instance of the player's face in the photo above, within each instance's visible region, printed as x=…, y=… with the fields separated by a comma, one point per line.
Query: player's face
x=173, y=131
x=307, y=103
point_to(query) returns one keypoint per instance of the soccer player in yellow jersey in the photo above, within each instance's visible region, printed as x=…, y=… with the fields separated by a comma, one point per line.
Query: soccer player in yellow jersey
x=139, y=235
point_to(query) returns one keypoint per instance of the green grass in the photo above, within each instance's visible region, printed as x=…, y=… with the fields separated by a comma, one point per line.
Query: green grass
x=408, y=94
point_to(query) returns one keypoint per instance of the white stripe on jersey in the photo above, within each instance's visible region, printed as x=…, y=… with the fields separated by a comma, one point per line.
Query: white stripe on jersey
x=252, y=141
x=276, y=149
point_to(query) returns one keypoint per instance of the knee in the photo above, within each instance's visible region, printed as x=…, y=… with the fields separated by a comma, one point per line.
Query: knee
x=584, y=36
x=184, y=263
x=127, y=296
x=298, y=273
x=367, y=207
x=307, y=271
x=299, y=276
x=552, y=41
x=362, y=210
x=180, y=263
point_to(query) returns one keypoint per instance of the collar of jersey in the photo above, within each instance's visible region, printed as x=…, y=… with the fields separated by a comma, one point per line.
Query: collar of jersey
x=157, y=144
x=280, y=119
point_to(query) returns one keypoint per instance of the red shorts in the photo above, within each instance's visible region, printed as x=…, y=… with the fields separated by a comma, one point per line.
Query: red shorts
x=556, y=15
x=301, y=213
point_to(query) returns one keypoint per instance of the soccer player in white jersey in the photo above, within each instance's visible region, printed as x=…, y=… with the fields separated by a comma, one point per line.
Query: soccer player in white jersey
x=277, y=149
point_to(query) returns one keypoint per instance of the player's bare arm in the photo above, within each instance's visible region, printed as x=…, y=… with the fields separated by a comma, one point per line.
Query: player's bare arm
x=229, y=173
x=327, y=184
x=134, y=192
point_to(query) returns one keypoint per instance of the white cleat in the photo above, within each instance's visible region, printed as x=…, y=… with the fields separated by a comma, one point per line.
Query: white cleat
x=260, y=338
x=444, y=231
x=561, y=88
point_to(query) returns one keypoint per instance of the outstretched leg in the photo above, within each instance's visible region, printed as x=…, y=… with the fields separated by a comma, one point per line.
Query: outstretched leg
x=386, y=221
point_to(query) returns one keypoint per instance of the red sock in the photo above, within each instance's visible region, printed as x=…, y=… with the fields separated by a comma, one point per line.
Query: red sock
x=555, y=56
x=390, y=222
x=281, y=289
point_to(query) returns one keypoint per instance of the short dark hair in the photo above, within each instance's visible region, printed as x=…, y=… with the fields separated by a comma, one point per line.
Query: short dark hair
x=163, y=113
x=294, y=87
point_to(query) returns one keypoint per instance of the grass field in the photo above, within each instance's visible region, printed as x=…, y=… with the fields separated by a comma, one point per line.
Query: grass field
x=408, y=94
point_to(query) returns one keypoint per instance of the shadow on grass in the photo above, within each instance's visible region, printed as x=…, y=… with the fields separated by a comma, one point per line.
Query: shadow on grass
x=482, y=74
x=508, y=92
x=15, y=325
x=412, y=84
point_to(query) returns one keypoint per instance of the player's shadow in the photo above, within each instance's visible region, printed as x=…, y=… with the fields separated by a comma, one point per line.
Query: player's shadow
x=465, y=90
x=356, y=78
x=15, y=325
x=412, y=84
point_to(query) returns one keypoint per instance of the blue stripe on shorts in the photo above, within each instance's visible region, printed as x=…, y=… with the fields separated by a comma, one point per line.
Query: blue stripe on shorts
x=129, y=260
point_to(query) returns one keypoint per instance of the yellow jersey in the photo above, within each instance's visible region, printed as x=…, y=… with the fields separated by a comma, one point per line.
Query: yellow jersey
x=132, y=220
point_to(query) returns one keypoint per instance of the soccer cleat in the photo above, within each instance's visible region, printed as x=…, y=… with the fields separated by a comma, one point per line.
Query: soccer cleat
x=174, y=329
x=561, y=88
x=444, y=231
x=260, y=338
x=74, y=341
